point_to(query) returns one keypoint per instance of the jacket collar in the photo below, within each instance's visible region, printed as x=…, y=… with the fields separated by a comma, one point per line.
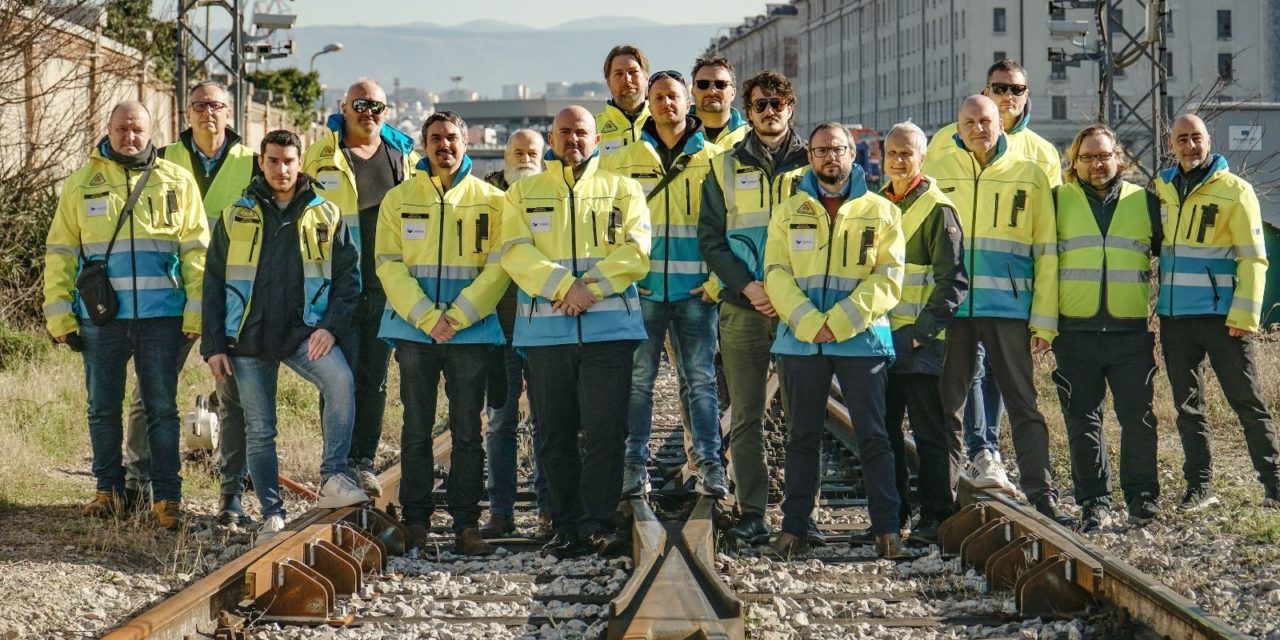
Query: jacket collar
x=390, y=135
x=644, y=110
x=464, y=170
x=259, y=193
x=692, y=142
x=753, y=152
x=555, y=166
x=1217, y=165
x=141, y=162
x=1023, y=120
x=1002, y=145
x=188, y=139
x=856, y=187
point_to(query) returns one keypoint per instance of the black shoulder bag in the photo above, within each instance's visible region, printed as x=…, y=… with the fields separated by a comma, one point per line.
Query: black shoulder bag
x=92, y=284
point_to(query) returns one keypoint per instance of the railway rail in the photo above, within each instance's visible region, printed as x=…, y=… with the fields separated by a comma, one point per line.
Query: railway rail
x=346, y=568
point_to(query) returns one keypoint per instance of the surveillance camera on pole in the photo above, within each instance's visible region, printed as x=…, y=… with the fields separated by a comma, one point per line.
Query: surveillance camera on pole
x=1069, y=28
x=274, y=21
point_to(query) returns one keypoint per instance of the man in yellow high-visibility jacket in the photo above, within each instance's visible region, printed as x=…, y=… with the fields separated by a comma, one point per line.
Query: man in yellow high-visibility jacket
x=576, y=240
x=1212, y=273
x=626, y=71
x=714, y=91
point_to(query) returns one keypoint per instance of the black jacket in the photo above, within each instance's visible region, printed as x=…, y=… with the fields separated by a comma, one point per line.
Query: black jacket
x=274, y=327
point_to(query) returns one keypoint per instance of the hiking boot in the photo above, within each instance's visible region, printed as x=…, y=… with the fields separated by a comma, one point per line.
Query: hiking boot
x=1271, y=499
x=987, y=471
x=1048, y=507
x=231, y=511
x=813, y=535
x=787, y=546
x=368, y=478
x=564, y=546
x=1142, y=511
x=605, y=543
x=711, y=480
x=339, y=490
x=635, y=479
x=862, y=538
x=1094, y=516
x=104, y=505
x=545, y=529
x=167, y=513
x=1197, y=498
x=271, y=526
x=498, y=526
x=419, y=536
x=889, y=546
x=469, y=543
x=925, y=532
x=751, y=529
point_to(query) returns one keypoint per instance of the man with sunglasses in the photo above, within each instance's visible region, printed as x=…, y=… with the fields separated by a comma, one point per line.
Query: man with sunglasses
x=738, y=198
x=670, y=161
x=626, y=71
x=713, y=96
x=354, y=166
x=1007, y=87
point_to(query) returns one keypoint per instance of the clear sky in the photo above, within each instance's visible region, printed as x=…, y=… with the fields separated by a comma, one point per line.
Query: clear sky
x=534, y=13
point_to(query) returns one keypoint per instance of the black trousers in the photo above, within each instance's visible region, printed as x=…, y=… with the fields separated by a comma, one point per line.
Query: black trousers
x=581, y=393
x=370, y=362
x=862, y=382
x=1008, y=345
x=939, y=448
x=1186, y=342
x=1088, y=363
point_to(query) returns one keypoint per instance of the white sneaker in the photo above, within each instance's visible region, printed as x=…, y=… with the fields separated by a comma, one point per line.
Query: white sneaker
x=338, y=491
x=987, y=470
x=269, y=528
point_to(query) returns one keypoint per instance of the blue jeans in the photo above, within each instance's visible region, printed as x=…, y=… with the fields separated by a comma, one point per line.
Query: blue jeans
x=154, y=344
x=982, y=411
x=256, y=379
x=502, y=441
x=693, y=335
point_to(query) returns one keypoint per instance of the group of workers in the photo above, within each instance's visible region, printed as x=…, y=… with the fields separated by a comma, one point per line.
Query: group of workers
x=668, y=216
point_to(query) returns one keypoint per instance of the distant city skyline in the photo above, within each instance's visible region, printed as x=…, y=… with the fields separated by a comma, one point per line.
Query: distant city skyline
x=532, y=13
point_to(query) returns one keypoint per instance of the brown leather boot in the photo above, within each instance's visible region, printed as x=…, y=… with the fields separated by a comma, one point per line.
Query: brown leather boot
x=104, y=505
x=788, y=546
x=167, y=514
x=469, y=543
x=889, y=546
x=498, y=526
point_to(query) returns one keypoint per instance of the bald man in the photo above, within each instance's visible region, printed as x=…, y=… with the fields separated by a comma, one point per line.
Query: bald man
x=1213, y=267
x=354, y=165
x=576, y=240
x=129, y=237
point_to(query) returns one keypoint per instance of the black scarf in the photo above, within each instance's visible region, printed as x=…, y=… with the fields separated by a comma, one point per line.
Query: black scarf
x=140, y=161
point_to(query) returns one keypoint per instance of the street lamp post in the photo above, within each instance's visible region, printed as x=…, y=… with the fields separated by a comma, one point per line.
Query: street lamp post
x=328, y=48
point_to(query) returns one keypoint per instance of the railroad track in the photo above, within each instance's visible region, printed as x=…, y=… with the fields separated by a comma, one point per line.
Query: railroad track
x=346, y=567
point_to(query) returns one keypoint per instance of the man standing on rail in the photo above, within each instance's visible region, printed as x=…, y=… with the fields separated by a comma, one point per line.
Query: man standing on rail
x=738, y=198
x=713, y=96
x=576, y=240
x=114, y=294
x=438, y=249
x=626, y=71
x=1212, y=274
x=281, y=284
x=833, y=268
x=934, y=285
x=354, y=165
x=508, y=373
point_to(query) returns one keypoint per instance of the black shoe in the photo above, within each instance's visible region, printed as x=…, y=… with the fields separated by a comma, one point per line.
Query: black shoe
x=564, y=546
x=1271, y=497
x=925, y=532
x=813, y=535
x=1142, y=511
x=605, y=543
x=751, y=529
x=1048, y=506
x=498, y=526
x=1095, y=516
x=1197, y=498
x=230, y=511
x=862, y=538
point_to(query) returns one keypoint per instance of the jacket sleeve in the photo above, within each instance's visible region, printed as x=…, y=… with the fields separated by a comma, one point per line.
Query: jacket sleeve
x=733, y=275
x=1044, y=255
x=791, y=303
x=404, y=294
x=344, y=293
x=879, y=293
x=481, y=297
x=1251, y=262
x=951, y=280
x=213, y=336
x=193, y=245
x=61, y=260
x=531, y=269
x=629, y=262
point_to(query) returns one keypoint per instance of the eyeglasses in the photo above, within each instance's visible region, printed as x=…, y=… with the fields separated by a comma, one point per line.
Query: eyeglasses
x=203, y=106
x=761, y=105
x=822, y=152
x=1090, y=158
x=1001, y=88
x=361, y=105
x=720, y=85
x=674, y=75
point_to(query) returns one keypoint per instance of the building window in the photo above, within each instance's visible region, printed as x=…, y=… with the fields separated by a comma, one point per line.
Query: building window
x=1226, y=67
x=1058, y=71
x=1168, y=64
x=1059, y=107
x=1224, y=24
x=999, y=55
x=1000, y=22
x=1167, y=23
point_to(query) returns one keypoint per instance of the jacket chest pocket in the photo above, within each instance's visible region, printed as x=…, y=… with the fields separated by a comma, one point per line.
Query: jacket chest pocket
x=601, y=220
x=245, y=235
x=414, y=228
x=474, y=234
x=317, y=242
x=750, y=188
x=158, y=210
x=855, y=242
x=101, y=211
x=1009, y=208
x=805, y=236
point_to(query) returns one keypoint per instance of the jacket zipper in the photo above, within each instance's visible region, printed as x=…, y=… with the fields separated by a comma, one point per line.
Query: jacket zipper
x=459, y=237
x=254, y=244
x=151, y=206
x=973, y=224
x=439, y=253
x=826, y=272
x=573, y=247
x=666, y=244
x=133, y=245
x=1213, y=283
x=595, y=231
x=844, y=249
x=995, y=216
x=323, y=286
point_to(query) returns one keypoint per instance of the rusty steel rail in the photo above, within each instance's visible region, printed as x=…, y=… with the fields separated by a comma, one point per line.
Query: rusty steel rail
x=1050, y=569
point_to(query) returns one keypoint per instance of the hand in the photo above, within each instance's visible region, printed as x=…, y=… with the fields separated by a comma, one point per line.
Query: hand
x=220, y=367
x=824, y=335
x=643, y=291
x=62, y=339
x=578, y=298
x=1039, y=346
x=754, y=291
x=1238, y=333
x=443, y=331
x=191, y=336
x=702, y=294
x=320, y=344
x=915, y=344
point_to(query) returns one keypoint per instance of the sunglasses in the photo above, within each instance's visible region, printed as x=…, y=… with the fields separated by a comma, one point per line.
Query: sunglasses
x=720, y=85
x=1001, y=88
x=361, y=105
x=761, y=105
x=203, y=106
x=674, y=75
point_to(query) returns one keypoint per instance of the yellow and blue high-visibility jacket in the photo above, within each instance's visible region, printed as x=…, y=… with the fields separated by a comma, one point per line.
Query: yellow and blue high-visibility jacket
x=1022, y=141
x=438, y=253
x=1213, y=261
x=734, y=131
x=326, y=161
x=617, y=129
x=230, y=174
x=157, y=264
x=675, y=261
x=557, y=228
x=1011, y=240
x=844, y=273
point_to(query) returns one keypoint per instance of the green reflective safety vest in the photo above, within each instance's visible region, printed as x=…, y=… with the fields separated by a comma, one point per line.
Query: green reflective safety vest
x=227, y=187
x=917, y=279
x=1123, y=255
